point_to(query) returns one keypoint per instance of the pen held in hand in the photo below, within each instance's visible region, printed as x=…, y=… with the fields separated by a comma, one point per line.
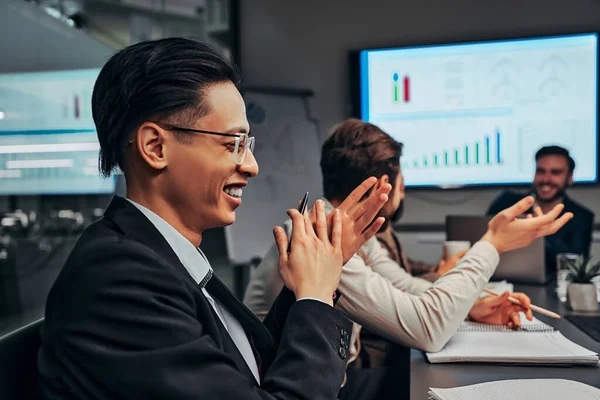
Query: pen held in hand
x=538, y=309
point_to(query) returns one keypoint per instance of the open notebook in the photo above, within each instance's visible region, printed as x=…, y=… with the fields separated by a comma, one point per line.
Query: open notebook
x=535, y=343
x=530, y=389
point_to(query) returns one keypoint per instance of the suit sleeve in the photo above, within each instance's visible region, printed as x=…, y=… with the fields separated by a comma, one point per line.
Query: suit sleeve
x=583, y=238
x=576, y=239
x=135, y=331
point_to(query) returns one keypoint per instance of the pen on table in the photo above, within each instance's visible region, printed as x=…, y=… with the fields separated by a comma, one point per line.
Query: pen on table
x=538, y=309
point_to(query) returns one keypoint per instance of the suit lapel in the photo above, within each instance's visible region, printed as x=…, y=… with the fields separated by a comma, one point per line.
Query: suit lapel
x=134, y=224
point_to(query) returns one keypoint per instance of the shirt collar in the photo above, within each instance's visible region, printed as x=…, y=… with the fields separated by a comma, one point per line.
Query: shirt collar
x=192, y=258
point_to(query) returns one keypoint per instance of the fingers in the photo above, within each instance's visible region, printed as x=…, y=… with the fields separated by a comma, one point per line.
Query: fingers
x=371, y=210
x=555, y=225
x=514, y=319
x=525, y=304
x=298, y=228
x=321, y=220
x=281, y=241
x=373, y=229
x=374, y=200
x=545, y=219
x=336, y=232
x=523, y=299
x=313, y=215
x=497, y=301
x=357, y=194
x=308, y=226
x=364, y=212
x=537, y=211
x=514, y=211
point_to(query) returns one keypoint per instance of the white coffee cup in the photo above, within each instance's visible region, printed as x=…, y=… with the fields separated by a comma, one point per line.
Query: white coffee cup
x=451, y=247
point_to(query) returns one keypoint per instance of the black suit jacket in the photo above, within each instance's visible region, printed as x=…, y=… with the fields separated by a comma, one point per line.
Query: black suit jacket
x=574, y=237
x=125, y=320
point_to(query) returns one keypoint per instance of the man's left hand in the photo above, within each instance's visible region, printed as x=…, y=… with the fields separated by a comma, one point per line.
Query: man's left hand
x=498, y=310
x=359, y=217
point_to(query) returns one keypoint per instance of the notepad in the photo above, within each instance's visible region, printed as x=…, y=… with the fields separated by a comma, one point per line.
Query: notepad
x=535, y=343
x=500, y=287
x=530, y=389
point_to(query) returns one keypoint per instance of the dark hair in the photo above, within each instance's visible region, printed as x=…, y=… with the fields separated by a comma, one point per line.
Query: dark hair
x=161, y=80
x=556, y=151
x=354, y=151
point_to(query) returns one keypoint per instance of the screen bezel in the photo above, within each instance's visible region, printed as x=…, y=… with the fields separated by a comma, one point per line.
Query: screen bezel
x=357, y=104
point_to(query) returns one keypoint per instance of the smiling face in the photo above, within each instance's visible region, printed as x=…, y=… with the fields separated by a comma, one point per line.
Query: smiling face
x=552, y=177
x=202, y=179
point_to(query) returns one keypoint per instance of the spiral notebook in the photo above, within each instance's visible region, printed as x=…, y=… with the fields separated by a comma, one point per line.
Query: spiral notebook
x=530, y=389
x=535, y=343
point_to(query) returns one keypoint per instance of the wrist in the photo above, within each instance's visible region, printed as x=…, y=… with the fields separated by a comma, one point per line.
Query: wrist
x=489, y=237
x=320, y=295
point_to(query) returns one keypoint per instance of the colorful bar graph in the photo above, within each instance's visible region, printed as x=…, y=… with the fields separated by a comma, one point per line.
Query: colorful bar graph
x=486, y=151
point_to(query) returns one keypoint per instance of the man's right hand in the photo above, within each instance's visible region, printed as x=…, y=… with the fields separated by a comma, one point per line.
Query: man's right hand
x=314, y=264
x=506, y=232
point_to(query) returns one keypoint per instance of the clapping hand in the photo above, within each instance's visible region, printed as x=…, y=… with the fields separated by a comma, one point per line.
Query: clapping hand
x=507, y=232
x=357, y=216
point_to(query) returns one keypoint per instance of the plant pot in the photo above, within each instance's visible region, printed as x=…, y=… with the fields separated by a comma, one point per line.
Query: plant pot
x=582, y=297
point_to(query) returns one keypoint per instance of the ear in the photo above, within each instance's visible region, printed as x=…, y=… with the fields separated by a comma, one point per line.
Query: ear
x=570, y=181
x=150, y=142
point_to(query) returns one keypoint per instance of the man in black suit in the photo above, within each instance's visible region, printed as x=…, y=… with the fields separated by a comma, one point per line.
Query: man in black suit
x=553, y=174
x=136, y=312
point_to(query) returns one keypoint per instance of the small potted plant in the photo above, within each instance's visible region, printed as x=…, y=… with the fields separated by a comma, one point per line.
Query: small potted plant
x=581, y=292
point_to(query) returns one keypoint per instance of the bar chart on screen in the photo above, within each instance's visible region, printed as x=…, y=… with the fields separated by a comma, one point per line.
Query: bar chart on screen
x=486, y=151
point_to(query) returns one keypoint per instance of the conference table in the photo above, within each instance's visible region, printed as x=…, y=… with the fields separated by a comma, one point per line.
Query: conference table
x=425, y=375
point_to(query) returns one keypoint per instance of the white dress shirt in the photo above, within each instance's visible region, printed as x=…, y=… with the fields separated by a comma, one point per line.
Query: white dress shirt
x=200, y=270
x=378, y=294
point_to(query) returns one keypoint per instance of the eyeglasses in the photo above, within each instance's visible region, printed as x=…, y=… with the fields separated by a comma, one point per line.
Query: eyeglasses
x=243, y=141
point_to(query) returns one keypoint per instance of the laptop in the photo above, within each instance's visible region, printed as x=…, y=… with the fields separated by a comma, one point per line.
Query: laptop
x=526, y=265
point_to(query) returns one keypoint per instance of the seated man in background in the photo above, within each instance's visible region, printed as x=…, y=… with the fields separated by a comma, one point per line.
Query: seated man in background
x=379, y=295
x=389, y=240
x=553, y=174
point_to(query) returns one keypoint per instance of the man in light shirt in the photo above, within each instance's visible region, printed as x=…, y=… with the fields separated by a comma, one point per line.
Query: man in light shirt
x=376, y=292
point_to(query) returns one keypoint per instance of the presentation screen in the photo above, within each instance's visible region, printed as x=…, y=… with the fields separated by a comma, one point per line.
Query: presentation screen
x=476, y=113
x=48, y=142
